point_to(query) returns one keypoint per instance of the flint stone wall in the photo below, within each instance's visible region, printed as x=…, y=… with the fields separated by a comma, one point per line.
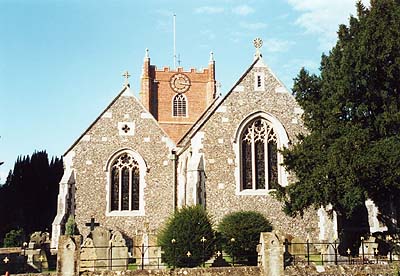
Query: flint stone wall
x=99, y=143
x=342, y=270
x=221, y=160
x=237, y=271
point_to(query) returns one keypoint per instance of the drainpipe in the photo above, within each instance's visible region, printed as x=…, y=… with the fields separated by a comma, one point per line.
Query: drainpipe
x=174, y=178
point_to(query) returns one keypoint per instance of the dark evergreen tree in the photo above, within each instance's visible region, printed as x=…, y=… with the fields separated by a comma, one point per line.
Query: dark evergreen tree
x=28, y=199
x=351, y=151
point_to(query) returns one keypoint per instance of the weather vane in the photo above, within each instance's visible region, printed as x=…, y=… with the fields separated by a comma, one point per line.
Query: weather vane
x=257, y=42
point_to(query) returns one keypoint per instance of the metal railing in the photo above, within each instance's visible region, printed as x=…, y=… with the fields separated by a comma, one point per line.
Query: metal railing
x=321, y=253
x=144, y=258
x=118, y=258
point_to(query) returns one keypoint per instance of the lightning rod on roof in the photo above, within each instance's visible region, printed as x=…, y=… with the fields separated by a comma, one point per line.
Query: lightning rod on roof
x=174, y=25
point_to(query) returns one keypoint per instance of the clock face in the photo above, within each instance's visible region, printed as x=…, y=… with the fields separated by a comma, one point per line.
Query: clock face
x=180, y=83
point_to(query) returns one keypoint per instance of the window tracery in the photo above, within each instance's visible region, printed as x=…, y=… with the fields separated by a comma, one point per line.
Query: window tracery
x=125, y=178
x=179, y=105
x=259, y=156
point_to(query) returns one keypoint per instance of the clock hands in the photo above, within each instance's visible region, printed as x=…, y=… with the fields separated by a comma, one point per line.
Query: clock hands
x=180, y=83
x=184, y=83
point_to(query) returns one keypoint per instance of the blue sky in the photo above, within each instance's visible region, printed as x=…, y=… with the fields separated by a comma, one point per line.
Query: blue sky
x=61, y=61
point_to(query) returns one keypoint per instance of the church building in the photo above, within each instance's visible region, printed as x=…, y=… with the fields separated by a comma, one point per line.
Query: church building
x=181, y=144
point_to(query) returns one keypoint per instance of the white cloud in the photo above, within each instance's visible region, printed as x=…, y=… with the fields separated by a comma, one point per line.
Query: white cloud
x=253, y=26
x=299, y=63
x=322, y=17
x=277, y=45
x=243, y=10
x=237, y=36
x=210, y=35
x=209, y=10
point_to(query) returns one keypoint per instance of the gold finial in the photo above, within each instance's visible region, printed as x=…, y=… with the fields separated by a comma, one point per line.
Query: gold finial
x=126, y=76
x=257, y=42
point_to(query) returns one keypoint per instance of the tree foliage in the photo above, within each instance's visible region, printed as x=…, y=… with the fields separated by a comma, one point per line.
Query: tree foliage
x=184, y=233
x=28, y=199
x=352, y=113
x=14, y=238
x=241, y=234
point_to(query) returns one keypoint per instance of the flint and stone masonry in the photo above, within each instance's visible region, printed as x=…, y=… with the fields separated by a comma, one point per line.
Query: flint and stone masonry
x=186, y=161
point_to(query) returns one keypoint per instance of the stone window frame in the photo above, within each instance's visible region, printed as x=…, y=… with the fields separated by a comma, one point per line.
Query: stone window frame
x=178, y=110
x=259, y=81
x=142, y=184
x=282, y=141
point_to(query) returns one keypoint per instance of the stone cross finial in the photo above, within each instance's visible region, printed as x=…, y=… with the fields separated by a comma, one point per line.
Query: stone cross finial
x=257, y=42
x=126, y=76
x=147, y=53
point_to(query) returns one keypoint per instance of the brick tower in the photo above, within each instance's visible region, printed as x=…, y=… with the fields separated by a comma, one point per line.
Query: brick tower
x=176, y=98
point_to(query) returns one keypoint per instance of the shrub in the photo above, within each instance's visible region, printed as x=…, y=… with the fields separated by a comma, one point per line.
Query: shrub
x=14, y=238
x=241, y=234
x=70, y=226
x=183, y=233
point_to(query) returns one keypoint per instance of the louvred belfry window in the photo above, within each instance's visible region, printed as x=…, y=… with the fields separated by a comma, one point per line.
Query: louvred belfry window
x=179, y=106
x=259, y=156
x=125, y=184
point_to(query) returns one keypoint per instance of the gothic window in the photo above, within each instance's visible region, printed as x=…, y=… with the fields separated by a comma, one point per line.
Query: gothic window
x=124, y=190
x=259, y=156
x=179, y=105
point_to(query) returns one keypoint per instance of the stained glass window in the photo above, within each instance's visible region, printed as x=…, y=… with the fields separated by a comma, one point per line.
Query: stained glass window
x=259, y=160
x=125, y=184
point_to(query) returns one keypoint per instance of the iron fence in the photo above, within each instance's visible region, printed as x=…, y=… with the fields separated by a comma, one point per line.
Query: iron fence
x=146, y=257
x=321, y=253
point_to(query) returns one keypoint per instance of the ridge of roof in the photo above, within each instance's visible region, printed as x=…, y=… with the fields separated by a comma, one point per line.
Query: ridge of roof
x=121, y=93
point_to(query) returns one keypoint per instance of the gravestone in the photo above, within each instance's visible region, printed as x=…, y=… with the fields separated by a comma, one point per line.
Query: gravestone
x=271, y=253
x=368, y=248
x=101, y=239
x=329, y=252
x=119, y=252
x=88, y=255
x=297, y=247
x=68, y=255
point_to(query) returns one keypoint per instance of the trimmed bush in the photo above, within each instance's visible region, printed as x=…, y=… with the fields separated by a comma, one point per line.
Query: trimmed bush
x=241, y=234
x=184, y=233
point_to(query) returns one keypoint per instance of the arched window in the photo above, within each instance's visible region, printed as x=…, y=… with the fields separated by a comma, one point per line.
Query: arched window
x=124, y=184
x=259, y=156
x=179, y=106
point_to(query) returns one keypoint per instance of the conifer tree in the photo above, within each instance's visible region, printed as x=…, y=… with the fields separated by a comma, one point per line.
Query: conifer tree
x=351, y=151
x=28, y=199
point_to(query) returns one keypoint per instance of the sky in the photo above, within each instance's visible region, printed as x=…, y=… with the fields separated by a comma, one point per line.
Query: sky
x=61, y=61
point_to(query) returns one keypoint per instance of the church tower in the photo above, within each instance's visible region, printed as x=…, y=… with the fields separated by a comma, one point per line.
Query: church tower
x=176, y=98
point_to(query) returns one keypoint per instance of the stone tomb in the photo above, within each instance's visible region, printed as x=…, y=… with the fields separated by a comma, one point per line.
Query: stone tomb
x=37, y=250
x=103, y=250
